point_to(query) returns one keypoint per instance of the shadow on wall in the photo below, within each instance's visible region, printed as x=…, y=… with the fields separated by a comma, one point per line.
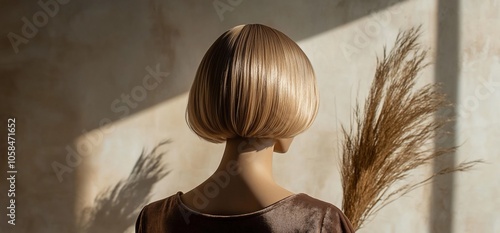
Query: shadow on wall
x=75, y=66
x=116, y=209
x=446, y=72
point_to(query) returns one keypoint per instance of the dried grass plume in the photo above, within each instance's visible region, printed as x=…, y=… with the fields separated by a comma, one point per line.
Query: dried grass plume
x=390, y=137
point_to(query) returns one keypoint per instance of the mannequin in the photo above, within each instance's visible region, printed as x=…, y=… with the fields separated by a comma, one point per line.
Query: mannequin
x=255, y=90
x=250, y=189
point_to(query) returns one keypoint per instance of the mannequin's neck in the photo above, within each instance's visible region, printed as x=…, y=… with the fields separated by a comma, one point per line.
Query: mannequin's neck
x=249, y=161
x=242, y=183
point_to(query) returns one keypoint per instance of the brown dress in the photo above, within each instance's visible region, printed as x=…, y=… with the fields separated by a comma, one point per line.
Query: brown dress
x=296, y=213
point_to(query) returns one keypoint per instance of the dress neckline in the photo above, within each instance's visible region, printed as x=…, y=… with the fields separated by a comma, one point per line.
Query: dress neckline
x=254, y=213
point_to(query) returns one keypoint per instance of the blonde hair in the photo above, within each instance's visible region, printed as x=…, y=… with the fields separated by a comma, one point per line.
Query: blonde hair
x=253, y=82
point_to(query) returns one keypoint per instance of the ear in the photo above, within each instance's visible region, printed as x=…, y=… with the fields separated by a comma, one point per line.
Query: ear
x=282, y=145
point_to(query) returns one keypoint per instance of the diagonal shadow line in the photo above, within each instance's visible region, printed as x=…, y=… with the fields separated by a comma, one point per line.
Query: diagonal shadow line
x=447, y=73
x=27, y=96
x=116, y=208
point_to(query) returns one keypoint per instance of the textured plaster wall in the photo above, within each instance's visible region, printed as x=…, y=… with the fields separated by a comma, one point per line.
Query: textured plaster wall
x=81, y=84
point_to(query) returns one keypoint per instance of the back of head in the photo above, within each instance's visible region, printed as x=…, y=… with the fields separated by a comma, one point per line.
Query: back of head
x=253, y=82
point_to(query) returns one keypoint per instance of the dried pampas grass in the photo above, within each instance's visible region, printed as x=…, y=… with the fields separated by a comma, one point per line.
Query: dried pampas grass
x=390, y=136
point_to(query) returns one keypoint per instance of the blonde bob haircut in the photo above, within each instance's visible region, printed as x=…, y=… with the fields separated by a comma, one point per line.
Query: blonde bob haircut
x=253, y=82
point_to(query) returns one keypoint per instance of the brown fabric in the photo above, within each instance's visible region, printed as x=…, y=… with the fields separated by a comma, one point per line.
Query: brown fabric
x=296, y=213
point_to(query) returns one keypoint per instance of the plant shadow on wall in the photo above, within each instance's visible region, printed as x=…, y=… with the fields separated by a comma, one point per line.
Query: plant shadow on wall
x=116, y=208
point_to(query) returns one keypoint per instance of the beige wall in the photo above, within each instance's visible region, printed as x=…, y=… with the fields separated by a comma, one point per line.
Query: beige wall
x=68, y=79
